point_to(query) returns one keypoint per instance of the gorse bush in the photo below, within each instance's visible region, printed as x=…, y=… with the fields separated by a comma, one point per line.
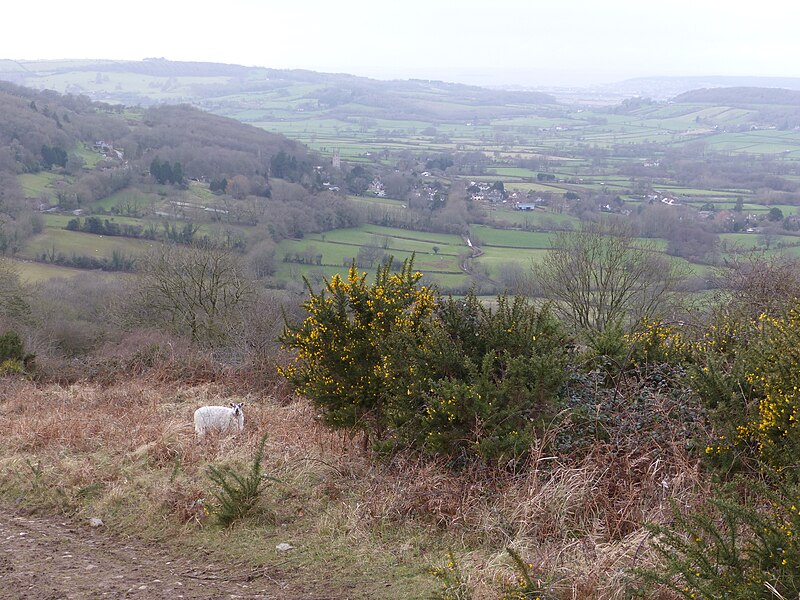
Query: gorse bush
x=446, y=377
x=746, y=375
x=13, y=358
x=656, y=343
x=608, y=350
x=343, y=348
x=744, y=372
x=742, y=544
x=483, y=382
x=774, y=361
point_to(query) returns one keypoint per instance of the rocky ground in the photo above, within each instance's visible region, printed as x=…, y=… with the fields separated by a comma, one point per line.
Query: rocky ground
x=46, y=558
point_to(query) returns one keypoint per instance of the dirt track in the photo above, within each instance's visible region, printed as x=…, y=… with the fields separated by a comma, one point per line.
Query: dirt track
x=44, y=558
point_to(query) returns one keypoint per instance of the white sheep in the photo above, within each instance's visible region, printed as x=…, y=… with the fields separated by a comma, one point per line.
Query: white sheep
x=219, y=418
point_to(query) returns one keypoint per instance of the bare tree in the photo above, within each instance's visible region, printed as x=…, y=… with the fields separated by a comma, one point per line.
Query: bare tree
x=199, y=291
x=753, y=284
x=261, y=259
x=369, y=254
x=603, y=276
x=238, y=187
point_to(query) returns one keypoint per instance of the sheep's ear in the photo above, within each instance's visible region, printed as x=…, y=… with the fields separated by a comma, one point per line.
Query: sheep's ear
x=232, y=405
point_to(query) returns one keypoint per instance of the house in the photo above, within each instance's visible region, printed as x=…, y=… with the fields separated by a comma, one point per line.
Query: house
x=377, y=188
x=524, y=206
x=495, y=196
x=106, y=148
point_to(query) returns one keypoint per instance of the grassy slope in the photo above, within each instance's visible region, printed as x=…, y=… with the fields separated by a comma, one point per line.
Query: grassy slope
x=40, y=185
x=73, y=242
x=139, y=467
x=361, y=528
x=34, y=272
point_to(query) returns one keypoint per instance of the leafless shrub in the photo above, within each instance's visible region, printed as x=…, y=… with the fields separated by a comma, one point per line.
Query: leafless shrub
x=752, y=284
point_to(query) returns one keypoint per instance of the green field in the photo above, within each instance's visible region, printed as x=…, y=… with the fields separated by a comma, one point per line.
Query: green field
x=129, y=201
x=34, y=272
x=543, y=218
x=534, y=187
x=81, y=244
x=488, y=236
x=443, y=279
x=514, y=172
x=90, y=157
x=495, y=259
x=40, y=185
x=404, y=238
x=339, y=247
x=375, y=201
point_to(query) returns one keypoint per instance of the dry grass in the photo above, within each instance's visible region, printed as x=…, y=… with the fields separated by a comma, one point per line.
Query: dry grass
x=128, y=451
x=580, y=525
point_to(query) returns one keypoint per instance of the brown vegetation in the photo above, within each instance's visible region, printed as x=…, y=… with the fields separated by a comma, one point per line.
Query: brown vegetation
x=126, y=452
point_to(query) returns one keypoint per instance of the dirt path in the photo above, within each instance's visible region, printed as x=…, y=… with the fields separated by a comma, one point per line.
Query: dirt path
x=44, y=558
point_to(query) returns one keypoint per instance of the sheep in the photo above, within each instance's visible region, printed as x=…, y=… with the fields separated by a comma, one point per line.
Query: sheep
x=218, y=418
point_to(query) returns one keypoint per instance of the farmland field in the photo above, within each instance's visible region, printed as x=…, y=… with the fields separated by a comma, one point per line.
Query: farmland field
x=128, y=200
x=374, y=201
x=40, y=185
x=408, y=240
x=534, y=187
x=34, y=272
x=73, y=242
x=488, y=236
x=495, y=259
x=534, y=218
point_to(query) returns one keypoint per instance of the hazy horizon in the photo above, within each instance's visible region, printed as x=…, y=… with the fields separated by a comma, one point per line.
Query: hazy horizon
x=507, y=43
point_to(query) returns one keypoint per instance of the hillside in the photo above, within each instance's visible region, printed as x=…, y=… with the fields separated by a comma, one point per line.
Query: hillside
x=90, y=185
x=221, y=88
x=32, y=119
x=663, y=88
x=737, y=96
x=405, y=436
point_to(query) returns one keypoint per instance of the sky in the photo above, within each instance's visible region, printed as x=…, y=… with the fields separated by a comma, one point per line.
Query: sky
x=498, y=42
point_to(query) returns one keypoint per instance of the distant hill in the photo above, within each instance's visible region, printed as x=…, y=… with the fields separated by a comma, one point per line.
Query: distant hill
x=222, y=88
x=663, y=88
x=741, y=95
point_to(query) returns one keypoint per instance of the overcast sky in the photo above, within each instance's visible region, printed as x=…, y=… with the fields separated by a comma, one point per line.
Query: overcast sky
x=526, y=42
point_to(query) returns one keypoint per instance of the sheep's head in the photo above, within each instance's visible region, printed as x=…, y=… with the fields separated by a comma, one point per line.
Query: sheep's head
x=237, y=408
